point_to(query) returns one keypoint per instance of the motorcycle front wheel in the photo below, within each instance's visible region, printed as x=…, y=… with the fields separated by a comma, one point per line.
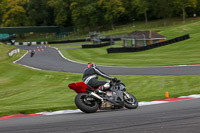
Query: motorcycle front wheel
x=85, y=103
x=130, y=101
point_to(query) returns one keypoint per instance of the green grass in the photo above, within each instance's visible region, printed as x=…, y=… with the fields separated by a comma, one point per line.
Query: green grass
x=156, y=25
x=185, y=52
x=24, y=90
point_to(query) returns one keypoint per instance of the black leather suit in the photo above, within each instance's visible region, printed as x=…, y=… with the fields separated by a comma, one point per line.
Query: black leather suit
x=90, y=77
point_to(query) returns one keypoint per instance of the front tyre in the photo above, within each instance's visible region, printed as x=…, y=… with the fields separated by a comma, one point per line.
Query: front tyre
x=130, y=101
x=86, y=103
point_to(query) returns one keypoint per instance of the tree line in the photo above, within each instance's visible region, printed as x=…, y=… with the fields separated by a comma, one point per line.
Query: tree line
x=92, y=14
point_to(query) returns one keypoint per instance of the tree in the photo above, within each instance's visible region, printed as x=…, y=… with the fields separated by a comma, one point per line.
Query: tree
x=128, y=15
x=14, y=13
x=61, y=12
x=113, y=9
x=84, y=13
x=162, y=9
x=141, y=7
x=182, y=4
x=198, y=8
x=1, y=11
x=37, y=12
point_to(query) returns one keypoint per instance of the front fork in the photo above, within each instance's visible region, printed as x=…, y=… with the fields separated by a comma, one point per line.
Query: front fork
x=127, y=95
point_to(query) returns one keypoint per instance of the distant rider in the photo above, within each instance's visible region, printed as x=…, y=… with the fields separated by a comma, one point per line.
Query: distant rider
x=32, y=53
x=90, y=77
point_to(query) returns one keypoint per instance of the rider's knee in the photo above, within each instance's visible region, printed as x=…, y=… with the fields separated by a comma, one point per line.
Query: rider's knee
x=106, y=86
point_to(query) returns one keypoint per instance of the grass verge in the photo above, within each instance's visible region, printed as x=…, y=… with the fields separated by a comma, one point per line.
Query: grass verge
x=185, y=52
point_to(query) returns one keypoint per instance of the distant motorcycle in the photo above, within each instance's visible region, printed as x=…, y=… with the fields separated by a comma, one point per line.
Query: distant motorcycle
x=32, y=53
x=90, y=100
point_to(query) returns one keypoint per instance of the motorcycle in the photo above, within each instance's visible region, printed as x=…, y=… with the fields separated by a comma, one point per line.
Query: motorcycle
x=90, y=100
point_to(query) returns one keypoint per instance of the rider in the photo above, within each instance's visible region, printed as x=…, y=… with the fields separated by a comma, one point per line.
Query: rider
x=90, y=77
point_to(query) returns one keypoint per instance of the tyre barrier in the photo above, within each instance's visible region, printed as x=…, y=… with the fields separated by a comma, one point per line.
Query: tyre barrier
x=155, y=45
x=27, y=43
x=14, y=52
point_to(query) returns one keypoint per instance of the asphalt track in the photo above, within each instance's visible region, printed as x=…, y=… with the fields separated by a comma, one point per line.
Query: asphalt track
x=175, y=117
x=51, y=59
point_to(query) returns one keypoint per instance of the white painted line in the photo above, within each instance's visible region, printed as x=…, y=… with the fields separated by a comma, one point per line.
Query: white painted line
x=60, y=112
x=67, y=58
x=98, y=65
x=182, y=65
x=122, y=66
x=26, y=65
x=32, y=67
x=151, y=103
x=20, y=57
x=191, y=96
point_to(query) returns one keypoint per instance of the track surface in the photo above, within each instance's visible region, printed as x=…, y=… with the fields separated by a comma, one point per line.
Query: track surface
x=50, y=59
x=176, y=117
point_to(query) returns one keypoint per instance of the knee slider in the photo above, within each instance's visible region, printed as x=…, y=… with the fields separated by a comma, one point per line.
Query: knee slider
x=106, y=86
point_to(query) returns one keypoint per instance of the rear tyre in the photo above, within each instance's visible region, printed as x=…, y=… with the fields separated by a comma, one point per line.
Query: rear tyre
x=130, y=102
x=84, y=104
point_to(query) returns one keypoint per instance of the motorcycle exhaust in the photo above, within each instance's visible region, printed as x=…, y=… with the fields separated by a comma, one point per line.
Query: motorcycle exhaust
x=96, y=96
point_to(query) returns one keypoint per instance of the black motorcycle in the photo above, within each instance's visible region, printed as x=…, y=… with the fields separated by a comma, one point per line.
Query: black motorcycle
x=90, y=100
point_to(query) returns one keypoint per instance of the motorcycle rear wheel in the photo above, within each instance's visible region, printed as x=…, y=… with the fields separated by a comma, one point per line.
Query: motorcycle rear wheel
x=84, y=105
x=130, y=103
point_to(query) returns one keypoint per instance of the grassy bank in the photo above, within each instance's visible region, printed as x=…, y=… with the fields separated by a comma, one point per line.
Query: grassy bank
x=186, y=52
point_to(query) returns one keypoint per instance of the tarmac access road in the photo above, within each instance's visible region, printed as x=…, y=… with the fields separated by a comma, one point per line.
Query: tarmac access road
x=51, y=59
x=173, y=117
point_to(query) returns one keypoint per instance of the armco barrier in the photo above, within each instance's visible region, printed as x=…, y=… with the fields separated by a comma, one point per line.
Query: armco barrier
x=83, y=40
x=108, y=39
x=155, y=45
x=68, y=41
x=96, y=45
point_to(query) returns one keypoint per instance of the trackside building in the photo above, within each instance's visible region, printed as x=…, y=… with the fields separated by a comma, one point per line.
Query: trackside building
x=142, y=38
